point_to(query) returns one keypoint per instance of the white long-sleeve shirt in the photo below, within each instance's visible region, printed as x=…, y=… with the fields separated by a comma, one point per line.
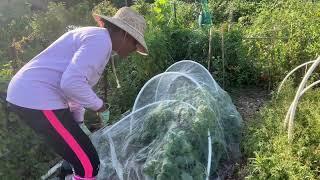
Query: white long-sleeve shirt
x=64, y=72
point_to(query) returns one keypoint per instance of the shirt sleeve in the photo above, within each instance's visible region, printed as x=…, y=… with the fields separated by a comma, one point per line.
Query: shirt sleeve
x=77, y=110
x=85, y=64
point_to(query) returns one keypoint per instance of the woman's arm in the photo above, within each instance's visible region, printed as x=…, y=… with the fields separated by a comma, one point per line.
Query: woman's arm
x=91, y=55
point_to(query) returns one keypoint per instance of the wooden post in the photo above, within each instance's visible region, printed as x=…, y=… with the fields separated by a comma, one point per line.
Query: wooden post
x=272, y=63
x=209, y=51
x=175, y=11
x=269, y=70
x=223, y=59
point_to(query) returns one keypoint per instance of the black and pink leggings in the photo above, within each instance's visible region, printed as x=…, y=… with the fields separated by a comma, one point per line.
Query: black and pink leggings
x=64, y=135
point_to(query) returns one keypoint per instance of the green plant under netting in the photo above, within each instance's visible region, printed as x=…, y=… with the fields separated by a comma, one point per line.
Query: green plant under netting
x=182, y=126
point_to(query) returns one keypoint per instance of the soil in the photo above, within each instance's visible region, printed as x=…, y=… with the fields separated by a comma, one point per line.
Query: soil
x=248, y=101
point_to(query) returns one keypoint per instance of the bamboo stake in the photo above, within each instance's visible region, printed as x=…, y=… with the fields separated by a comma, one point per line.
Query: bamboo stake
x=223, y=59
x=209, y=51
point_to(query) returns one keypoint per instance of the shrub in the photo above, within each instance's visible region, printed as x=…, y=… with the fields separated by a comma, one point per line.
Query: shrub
x=265, y=144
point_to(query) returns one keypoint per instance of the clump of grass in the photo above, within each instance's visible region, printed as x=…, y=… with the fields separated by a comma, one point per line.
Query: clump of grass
x=265, y=143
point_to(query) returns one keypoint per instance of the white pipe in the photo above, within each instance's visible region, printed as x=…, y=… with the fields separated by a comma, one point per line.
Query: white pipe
x=196, y=64
x=114, y=159
x=297, y=96
x=309, y=87
x=52, y=171
x=289, y=111
x=287, y=117
x=209, y=155
x=298, y=67
x=155, y=77
x=160, y=75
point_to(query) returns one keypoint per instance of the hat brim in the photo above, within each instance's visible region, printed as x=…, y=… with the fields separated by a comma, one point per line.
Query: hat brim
x=141, y=47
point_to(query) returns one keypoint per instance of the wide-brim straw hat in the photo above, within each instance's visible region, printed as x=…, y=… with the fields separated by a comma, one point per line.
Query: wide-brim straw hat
x=131, y=22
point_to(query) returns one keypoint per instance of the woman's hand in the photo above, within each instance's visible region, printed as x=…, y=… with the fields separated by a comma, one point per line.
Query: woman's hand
x=103, y=116
x=102, y=109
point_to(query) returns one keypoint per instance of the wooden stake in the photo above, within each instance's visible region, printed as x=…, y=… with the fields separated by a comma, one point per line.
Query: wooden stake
x=209, y=51
x=175, y=11
x=223, y=60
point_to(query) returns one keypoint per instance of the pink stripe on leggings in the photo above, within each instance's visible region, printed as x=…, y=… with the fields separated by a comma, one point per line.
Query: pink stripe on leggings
x=65, y=134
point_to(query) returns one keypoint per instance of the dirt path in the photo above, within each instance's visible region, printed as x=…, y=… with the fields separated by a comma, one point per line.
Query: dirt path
x=248, y=102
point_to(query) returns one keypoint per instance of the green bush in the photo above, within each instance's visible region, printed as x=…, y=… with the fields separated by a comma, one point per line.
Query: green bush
x=247, y=61
x=283, y=35
x=234, y=10
x=10, y=10
x=265, y=143
x=22, y=153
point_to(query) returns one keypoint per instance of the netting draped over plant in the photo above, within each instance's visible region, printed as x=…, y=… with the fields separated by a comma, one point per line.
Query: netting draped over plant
x=166, y=134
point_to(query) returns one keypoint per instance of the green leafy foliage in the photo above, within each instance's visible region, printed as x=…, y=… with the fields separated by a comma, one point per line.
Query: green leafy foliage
x=270, y=155
x=22, y=153
x=285, y=34
x=178, y=136
x=10, y=10
x=263, y=40
x=105, y=8
x=234, y=10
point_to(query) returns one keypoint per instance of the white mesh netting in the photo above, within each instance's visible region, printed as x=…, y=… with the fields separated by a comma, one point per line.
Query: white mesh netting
x=182, y=126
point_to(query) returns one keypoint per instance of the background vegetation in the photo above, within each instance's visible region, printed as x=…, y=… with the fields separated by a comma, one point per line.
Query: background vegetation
x=254, y=43
x=270, y=155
